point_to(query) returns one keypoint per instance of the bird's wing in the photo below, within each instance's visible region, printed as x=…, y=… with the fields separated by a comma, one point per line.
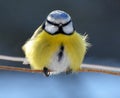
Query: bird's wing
x=39, y=30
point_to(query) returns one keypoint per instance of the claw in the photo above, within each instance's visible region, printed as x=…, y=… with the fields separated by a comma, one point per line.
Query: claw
x=68, y=71
x=46, y=71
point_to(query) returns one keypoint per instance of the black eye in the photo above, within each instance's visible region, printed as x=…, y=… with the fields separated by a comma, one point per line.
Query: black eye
x=50, y=28
x=68, y=29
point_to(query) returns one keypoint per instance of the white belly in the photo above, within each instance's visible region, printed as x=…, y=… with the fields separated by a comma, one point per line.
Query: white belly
x=59, y=64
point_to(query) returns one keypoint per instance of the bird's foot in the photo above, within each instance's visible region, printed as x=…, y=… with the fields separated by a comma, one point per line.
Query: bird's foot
x=68, y=71
x=46, y=71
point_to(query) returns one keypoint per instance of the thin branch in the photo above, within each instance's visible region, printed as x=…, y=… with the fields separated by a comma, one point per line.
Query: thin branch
x=84, y=67
x=100, y=69
x=10, y=68
x=11, y=58
x=15, y=59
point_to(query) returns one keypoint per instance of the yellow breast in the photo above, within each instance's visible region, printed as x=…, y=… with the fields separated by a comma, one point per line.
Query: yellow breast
x=40, y=50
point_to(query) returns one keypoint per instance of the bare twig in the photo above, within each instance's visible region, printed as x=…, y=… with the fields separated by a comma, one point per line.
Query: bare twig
x=11, y=58
x=84, y=67
x=15, y=59
x=100, y=69
x=19, y=69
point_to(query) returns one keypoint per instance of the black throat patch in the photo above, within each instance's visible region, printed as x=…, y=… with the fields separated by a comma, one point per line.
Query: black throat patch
x=61, y=53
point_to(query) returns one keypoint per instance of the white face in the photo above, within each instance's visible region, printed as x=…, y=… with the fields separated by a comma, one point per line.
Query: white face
x=59, y=22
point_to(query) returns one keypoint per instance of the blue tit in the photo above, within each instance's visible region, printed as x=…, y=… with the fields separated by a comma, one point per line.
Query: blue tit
x=56, y=46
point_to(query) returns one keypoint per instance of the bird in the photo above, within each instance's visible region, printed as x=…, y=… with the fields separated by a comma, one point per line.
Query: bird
x=56, y=46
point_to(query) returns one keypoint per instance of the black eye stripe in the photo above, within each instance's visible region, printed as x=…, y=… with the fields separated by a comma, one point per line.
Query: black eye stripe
x=60, y=30
x=52, y=23
x=66, y=23
x=58, y=24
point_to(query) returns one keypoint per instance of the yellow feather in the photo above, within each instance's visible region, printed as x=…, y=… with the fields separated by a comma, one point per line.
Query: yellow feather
x=39, y=49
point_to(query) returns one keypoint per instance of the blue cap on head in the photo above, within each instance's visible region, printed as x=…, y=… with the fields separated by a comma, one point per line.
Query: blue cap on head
x=58, y=17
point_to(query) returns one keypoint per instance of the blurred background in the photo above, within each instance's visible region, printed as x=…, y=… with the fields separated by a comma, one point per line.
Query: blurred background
x=100, y=19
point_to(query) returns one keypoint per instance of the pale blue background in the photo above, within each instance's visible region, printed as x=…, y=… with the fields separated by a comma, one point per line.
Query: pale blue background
x=82, y=85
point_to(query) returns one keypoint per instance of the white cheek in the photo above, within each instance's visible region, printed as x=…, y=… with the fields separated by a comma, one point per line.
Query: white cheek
x=51, y=28
x=68, y=29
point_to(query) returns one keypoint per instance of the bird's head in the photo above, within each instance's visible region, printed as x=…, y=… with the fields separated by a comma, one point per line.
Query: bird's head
x=58, y=22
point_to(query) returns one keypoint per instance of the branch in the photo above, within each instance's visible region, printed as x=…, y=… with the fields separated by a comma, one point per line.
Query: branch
x=10, y=68
x=84, y=67
x=15, y=59
x=100, y=69
x=11, y=58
